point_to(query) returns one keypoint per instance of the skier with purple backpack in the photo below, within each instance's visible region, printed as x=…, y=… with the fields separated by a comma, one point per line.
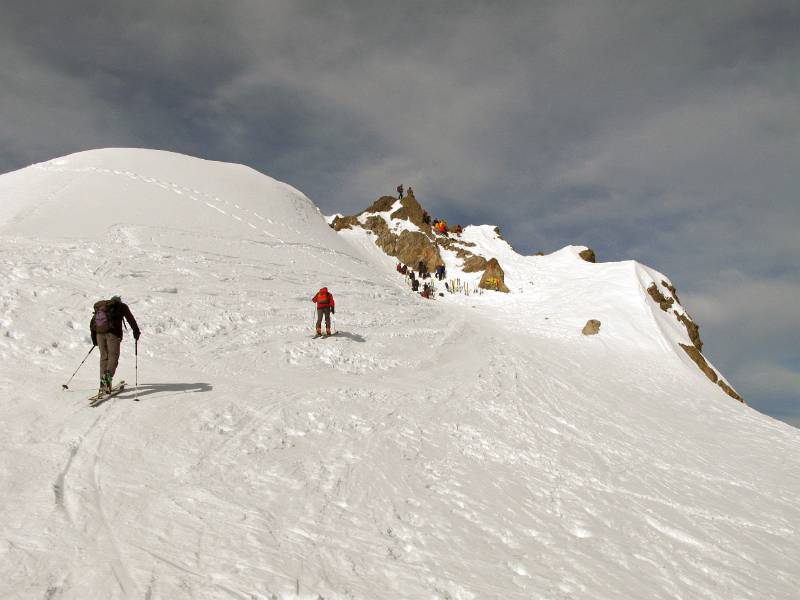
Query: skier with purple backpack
x=106, y=329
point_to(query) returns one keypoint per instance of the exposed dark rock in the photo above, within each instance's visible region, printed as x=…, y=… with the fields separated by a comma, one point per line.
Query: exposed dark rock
x=380, y=205
x=412, y=211
x=592, y=327
x=377, y=225
x=455, y=245
x=413, y=246
x=730, y=391
x=474, y=263
x=340, y=223
x=672, y=291
x=409, y=247
x=693, y=329
x=588, y=255
x=493, y=277
x=655, y=294
x=700, y=361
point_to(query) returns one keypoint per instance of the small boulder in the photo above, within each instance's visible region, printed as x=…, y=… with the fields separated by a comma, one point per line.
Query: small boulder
x=592, y=327
x=588, y=255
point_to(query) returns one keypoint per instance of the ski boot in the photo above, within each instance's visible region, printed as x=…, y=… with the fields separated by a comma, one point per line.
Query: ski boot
x=106, y=382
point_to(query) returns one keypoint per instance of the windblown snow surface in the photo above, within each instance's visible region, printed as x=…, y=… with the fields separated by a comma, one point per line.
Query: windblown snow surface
x=467, y=447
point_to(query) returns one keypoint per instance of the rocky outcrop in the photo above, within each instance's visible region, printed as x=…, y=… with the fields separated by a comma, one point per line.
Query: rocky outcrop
x=382, y=204
x=666, y=304
x=672, y=290
x=700, y=361
x=411, y=210
x=693, y=329
x=730, y=391
x=493, y=277
x=588, y=255
x=340, y=223
x=592, y=327
x=663, y=302
x=411, y=247
x=474, y=263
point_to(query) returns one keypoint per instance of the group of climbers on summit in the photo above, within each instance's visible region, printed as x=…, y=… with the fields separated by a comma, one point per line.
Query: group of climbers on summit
x=400, y=191
x=439, y=225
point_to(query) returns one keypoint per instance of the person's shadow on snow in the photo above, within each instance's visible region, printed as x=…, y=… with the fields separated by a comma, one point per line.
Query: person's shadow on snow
x=351, y=336
x=164, y=389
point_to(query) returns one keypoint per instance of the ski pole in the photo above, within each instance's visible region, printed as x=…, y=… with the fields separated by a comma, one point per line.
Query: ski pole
x=136, y=368
x=65, y=385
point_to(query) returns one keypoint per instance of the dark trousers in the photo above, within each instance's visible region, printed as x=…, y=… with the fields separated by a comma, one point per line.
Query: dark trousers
x=327, y=312
x=108, y=344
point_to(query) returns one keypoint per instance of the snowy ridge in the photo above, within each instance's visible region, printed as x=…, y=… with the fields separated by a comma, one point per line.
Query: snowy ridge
x=469, y=447
x=570, y=290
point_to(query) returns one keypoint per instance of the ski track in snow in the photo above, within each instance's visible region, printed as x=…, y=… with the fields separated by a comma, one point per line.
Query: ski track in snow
x=432, y=449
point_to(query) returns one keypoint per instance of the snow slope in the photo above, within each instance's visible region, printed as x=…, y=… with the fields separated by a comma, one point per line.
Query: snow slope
x=468, y=447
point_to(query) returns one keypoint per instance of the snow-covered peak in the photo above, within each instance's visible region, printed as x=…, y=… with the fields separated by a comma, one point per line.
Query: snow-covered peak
x=83, y=195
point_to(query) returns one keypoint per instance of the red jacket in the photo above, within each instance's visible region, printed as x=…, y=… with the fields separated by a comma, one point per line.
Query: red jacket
x=323, y=298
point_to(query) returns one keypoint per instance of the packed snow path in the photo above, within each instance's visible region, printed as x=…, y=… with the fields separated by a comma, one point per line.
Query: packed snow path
x=434, y=449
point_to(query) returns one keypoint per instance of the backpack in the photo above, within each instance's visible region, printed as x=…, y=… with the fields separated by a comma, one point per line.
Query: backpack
x=107, y=314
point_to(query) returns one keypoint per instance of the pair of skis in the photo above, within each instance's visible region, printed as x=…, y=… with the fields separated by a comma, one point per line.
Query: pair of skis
x=101, y=397
x=324, y=335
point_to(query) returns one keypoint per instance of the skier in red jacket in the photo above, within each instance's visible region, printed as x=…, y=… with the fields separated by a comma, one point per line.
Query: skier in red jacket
x=325, y=306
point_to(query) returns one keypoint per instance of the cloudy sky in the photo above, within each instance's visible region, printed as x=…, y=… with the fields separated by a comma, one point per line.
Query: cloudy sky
x=667, y=132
